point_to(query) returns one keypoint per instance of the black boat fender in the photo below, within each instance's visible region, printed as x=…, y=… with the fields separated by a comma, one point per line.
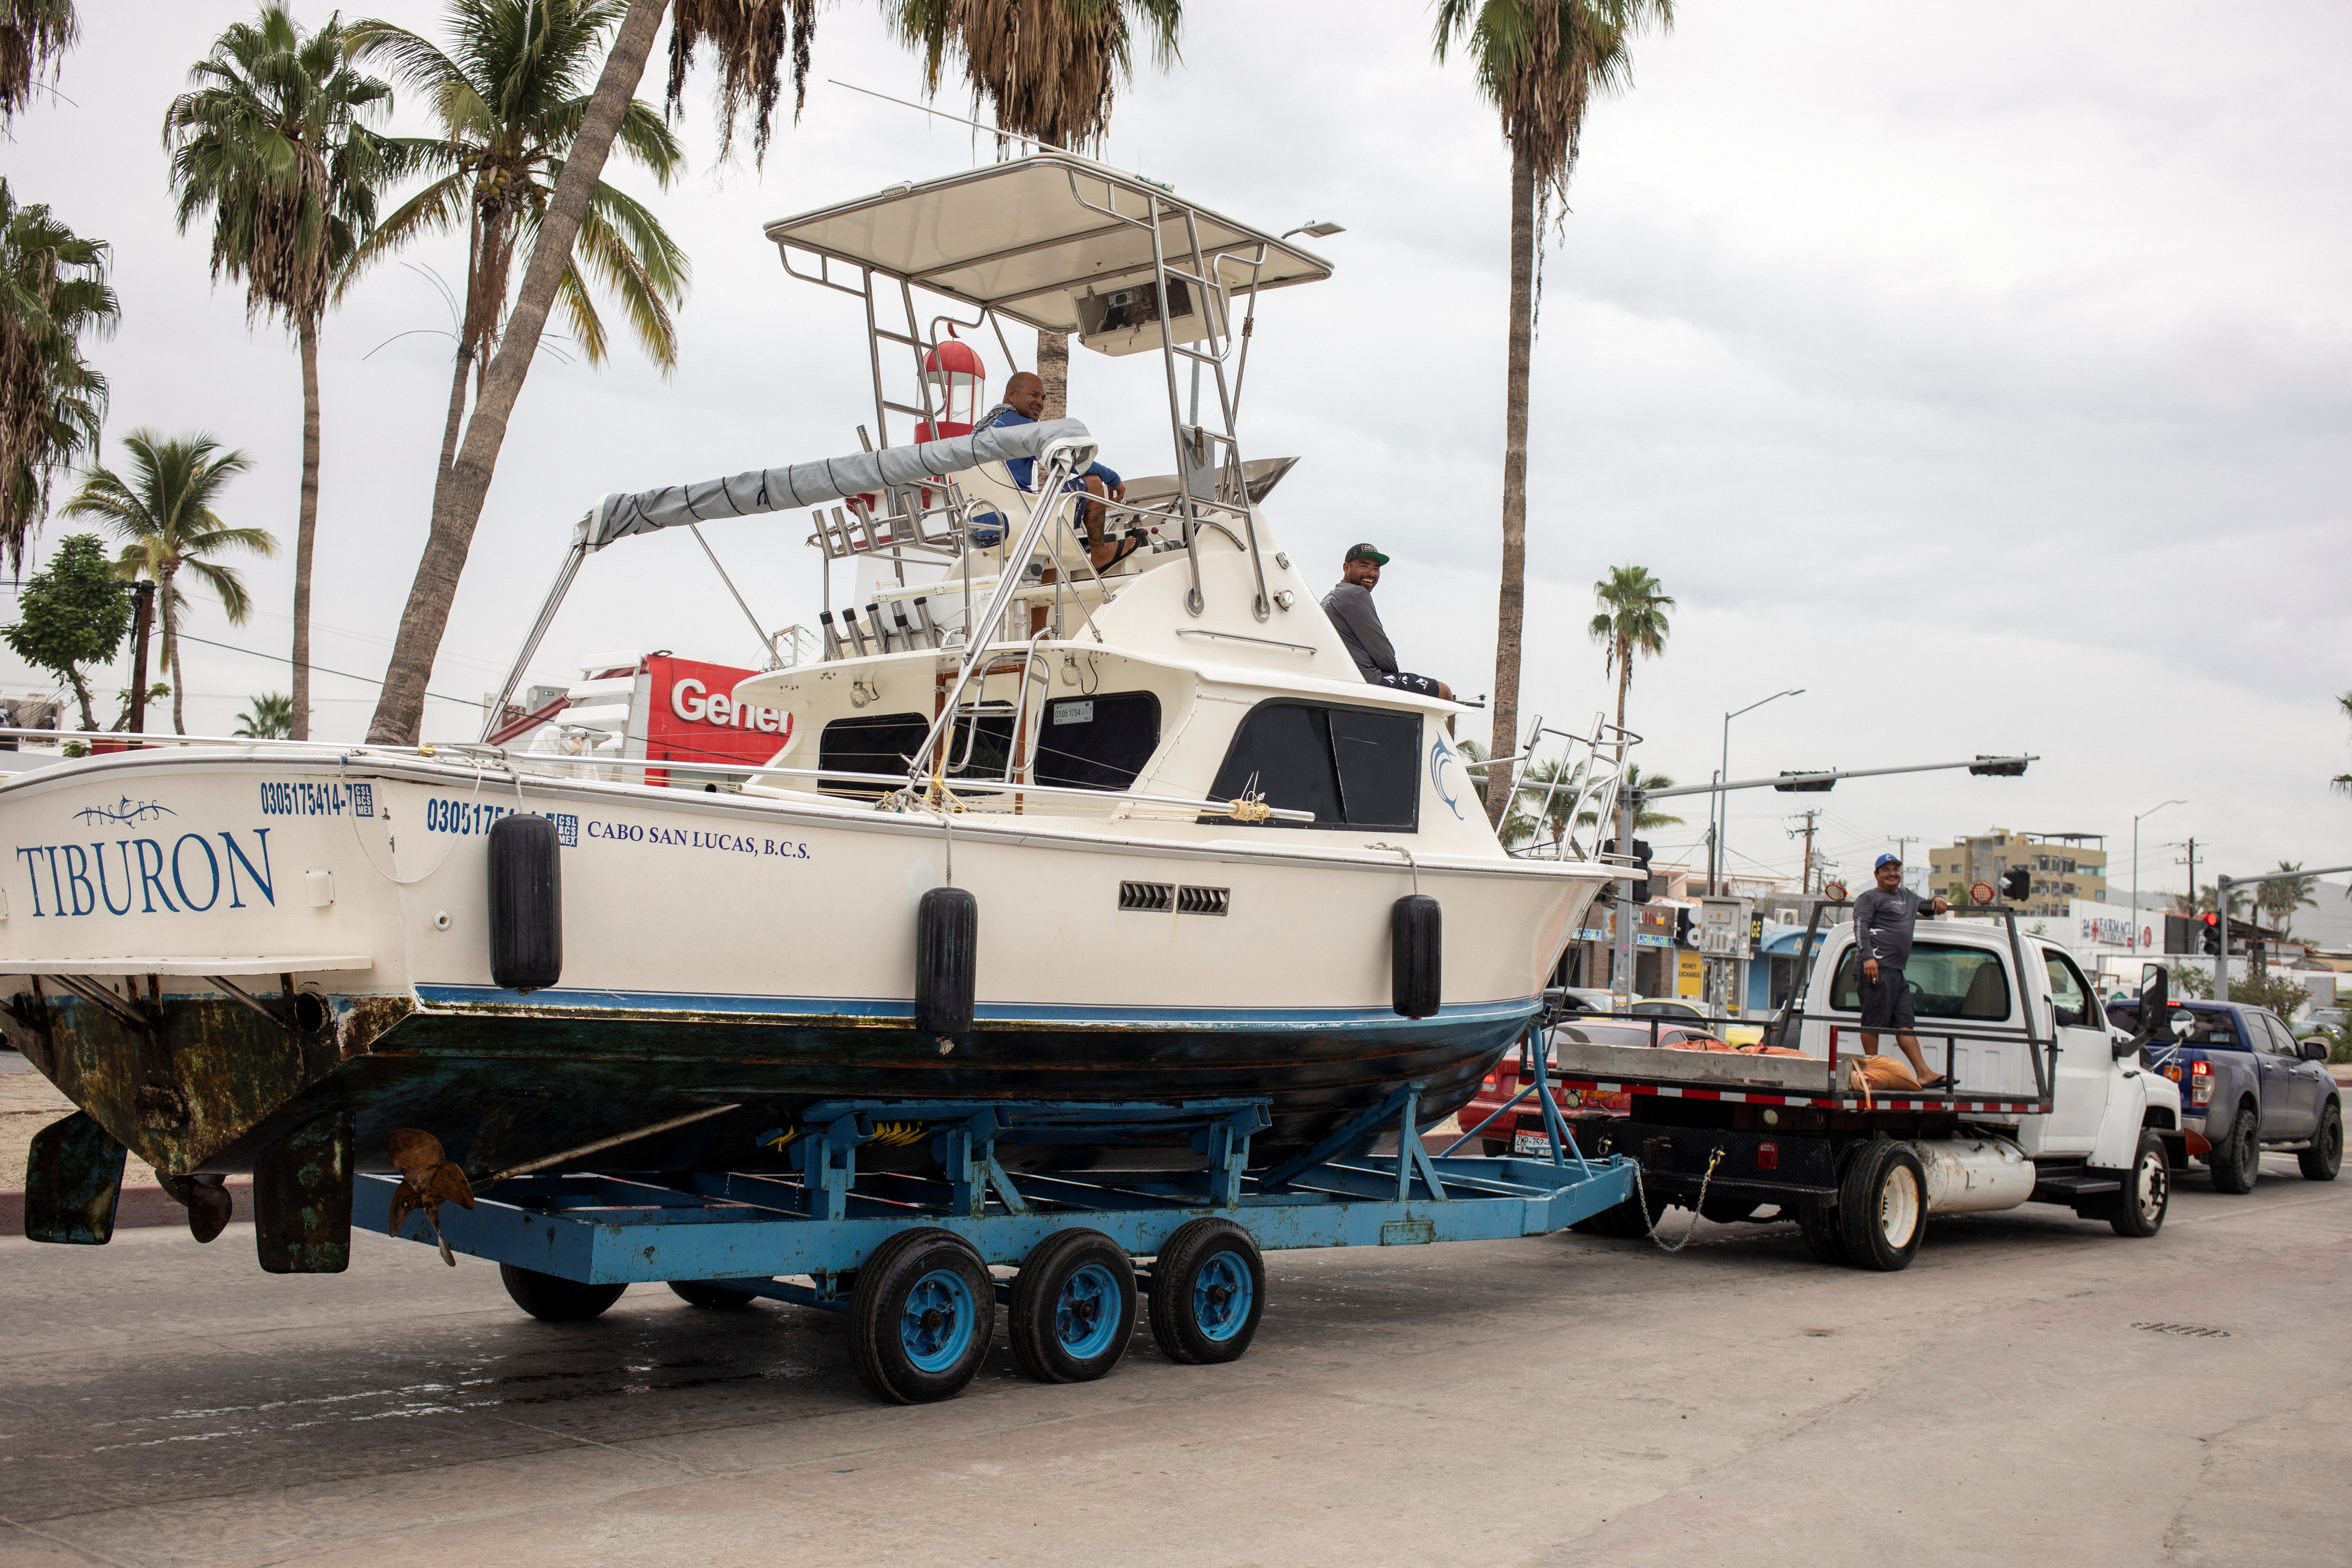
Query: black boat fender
x=1415, y=950
x=946, y=960
x=526, y=903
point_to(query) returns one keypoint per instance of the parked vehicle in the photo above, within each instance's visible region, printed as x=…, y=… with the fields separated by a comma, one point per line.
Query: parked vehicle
x=2247, y=1087
x=2046, y=1104
x=1666, y=1009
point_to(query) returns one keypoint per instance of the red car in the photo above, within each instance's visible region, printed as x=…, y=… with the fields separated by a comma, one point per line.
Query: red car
x=1524, y=1126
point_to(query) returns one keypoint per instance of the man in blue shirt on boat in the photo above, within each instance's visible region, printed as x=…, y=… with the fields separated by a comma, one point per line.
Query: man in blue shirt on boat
x=1024, y=403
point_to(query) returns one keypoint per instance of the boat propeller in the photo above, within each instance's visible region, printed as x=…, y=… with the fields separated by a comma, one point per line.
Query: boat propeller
x=206, y=1199
x=428, y=1180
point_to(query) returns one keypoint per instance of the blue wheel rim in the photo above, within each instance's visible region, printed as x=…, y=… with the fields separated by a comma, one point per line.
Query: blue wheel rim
x=935, y=1321
x=1221, y=1296
x=1087, y=1313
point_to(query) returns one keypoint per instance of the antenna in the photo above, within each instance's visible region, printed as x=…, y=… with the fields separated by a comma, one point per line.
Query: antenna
x=943, y=114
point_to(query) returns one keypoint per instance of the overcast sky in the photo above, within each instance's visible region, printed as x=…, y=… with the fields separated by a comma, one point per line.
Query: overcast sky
x=1982, y=370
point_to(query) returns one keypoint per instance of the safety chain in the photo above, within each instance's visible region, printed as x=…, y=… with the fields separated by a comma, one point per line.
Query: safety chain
x=1641, y=1192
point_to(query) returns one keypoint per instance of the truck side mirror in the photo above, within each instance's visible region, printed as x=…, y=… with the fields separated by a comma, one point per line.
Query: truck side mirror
x=2315, y=1050
x=2155, y=1015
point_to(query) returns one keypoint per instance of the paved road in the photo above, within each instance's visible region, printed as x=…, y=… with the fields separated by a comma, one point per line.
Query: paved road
x=1562, y=1400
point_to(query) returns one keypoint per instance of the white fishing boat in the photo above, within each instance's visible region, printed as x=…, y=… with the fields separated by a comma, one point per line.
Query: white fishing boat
x=1031, y=829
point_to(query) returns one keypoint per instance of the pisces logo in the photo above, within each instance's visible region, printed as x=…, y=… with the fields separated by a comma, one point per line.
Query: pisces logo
x=126, y=811
x=1441, y=754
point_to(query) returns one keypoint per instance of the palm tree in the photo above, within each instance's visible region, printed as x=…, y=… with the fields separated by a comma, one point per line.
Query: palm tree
x=2280, y=900
x=271, y=717
x=1645, y=818
x=1048, y=69
x=271, y=142
x=2342, y=783
x=1632, y=619
x=510, y=97
x=53, y=293
x=1548, y=792
x=164, y=512
x=751, y=38
x=2201, y=901
x=557, y=218
x=32, y=33
x=1538, y=62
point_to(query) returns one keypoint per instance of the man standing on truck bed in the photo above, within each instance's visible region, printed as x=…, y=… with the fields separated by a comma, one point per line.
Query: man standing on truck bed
x=1884, y=918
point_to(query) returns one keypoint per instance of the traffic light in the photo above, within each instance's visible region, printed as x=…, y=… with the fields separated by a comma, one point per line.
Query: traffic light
x=2016, y=882
x=1641, y=871
x=2208, y=932
x=1814, y=786
x=1985, y=768
x=1686, y=929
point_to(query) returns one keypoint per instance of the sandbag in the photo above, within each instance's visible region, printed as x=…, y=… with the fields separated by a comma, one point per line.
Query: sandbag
x=1882, y=1072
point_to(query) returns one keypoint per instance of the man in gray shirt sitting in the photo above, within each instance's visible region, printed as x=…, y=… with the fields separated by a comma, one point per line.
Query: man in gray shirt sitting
x=1884, y=919
x=1350, y=606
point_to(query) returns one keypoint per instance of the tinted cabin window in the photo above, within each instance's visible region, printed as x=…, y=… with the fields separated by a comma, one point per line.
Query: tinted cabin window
x=1944, y=981
x=1096, y=742
x=1352, y=767
x=882, y=742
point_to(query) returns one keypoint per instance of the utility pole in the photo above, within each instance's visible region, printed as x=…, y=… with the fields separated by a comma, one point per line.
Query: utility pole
x=2192, y=876
x=1805, y=879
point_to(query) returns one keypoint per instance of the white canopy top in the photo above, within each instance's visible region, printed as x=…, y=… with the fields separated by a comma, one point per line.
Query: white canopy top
x=1023, y=238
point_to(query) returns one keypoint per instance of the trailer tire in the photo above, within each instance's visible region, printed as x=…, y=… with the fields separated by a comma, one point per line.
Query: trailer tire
x=554, y=1301
x=711, y=1297
x=1073, y=1307
x=921, y=1316
x=1819, y=1224
x=2237, y=1159
x=2325, y=1158
x=1883, y=1206
x=1208, y=1292
x=2139, y=1209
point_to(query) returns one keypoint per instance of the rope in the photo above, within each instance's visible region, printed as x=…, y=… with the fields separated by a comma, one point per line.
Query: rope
x=1247, y=810
x=1642, y=1191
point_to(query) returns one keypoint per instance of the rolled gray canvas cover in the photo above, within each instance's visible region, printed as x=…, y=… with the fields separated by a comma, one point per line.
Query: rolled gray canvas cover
x=811, y=484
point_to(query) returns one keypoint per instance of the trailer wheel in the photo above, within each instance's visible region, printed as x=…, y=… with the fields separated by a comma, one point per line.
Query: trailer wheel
x=2139, y=1210
x=2237, y=1159
x=1619, y=1221
x=1208, y=1291
x=2325, y=1158
x=1883, y=1206
x=554, y=1301
x=920, y=1317
x=1818, y=1222
x=1073, y=1307
x=711, y=1298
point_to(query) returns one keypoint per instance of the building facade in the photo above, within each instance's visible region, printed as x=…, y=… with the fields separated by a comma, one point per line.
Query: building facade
x=2065, y=867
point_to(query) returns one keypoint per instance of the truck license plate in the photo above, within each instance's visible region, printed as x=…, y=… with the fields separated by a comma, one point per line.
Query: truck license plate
x=1533, y=1143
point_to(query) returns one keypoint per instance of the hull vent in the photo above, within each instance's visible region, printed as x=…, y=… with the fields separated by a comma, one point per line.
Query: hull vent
x=1154, y=897
x=1203, y=901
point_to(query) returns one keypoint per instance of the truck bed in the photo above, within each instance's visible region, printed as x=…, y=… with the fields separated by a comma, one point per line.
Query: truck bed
x=1755, y=1079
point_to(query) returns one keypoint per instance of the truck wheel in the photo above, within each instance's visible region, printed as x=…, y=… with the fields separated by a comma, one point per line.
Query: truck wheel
x=2138, y=1209
x=2237, y=1159
x=1883, y=1206
x=1818, y=1222
x=552, y=1299
x=2326, y=1156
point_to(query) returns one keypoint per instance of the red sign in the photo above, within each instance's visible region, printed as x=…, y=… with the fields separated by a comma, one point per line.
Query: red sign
x=691, y=718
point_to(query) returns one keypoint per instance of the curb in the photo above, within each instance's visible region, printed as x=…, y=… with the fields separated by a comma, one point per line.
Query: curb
x=140, y=1208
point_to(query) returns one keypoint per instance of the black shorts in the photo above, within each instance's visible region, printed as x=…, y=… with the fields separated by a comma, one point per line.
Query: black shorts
x=1404, y=682
x=1885, y=1002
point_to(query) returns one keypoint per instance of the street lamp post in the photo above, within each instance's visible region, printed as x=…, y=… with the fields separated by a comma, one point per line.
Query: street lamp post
x=2132, y=943
x=1722, y=801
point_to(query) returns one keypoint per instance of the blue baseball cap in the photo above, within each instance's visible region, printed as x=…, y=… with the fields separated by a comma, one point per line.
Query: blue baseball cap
x=1886, y=860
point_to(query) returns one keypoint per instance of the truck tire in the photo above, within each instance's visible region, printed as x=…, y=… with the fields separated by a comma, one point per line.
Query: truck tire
x=2139, y=1210
x=2326, y=1156
x=2237, y=1159
x=1620, y=1222
x=1818, y=1222
x=1883, y=1206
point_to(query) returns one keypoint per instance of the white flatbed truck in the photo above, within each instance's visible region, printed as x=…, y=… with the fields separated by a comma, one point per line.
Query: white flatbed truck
x=2046, y=1104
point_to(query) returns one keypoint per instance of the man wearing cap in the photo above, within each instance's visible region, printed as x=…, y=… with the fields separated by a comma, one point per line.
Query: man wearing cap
x=1350, y=606
x=1884, y=919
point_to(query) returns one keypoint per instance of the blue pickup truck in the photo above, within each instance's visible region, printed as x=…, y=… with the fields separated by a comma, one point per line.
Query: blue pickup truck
x=2247, y=1086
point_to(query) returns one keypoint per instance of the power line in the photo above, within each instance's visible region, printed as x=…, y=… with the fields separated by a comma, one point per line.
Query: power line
x=283, y=659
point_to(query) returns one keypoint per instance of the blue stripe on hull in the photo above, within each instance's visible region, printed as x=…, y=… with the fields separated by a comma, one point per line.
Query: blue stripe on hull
x=561, y=1000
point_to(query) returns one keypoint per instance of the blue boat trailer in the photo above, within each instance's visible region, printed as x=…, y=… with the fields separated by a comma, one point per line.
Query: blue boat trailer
x=907, y=1256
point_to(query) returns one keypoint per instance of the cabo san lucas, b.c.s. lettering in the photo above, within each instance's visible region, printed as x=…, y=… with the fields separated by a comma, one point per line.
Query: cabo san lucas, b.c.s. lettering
x=696, y=838
x=192, y=874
